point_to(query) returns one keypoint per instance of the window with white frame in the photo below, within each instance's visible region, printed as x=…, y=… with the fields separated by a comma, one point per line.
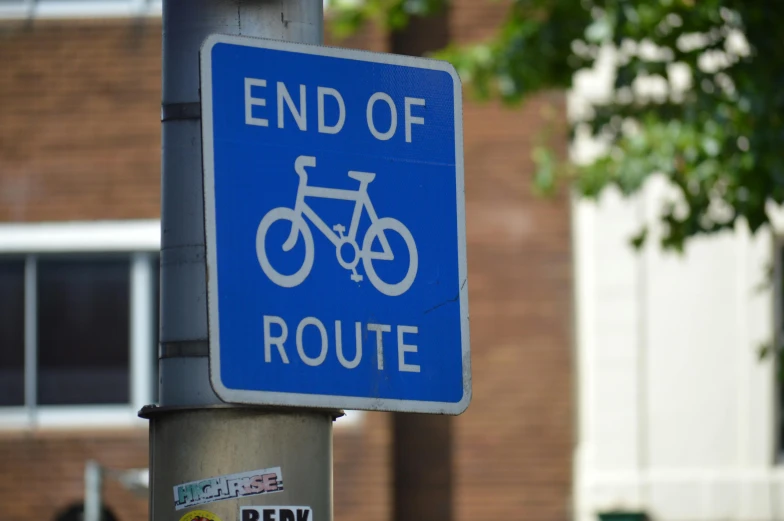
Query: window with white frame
x=79, y=324
x=78, y=321
x=16, y=9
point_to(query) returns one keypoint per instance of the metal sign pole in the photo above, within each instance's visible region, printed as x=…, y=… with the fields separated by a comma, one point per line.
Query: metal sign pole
x=209, y=460
x=93, y=490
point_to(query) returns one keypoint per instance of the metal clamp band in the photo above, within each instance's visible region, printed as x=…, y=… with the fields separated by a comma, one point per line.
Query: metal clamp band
x=180, y=111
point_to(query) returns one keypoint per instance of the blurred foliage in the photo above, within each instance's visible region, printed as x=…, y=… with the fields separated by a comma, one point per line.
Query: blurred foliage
x=698, y=95
x=348, y=15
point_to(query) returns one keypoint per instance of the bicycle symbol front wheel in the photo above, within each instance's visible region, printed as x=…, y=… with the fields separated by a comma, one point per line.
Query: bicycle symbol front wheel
x=379, y=228
x=272, y=217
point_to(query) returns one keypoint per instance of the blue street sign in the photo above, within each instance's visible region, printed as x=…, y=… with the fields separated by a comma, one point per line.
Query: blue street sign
x=335, y=224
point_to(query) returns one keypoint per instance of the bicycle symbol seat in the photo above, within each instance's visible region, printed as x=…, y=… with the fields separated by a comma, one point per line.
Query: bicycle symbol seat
x=337, y=234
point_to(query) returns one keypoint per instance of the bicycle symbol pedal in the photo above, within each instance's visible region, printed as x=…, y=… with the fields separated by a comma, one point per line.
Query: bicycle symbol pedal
x=337, y=234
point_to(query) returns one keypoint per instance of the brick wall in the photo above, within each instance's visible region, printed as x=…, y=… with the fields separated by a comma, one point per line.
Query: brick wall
x=80, y=139
x=513, y=445
x=41, y=474
x=79, y=121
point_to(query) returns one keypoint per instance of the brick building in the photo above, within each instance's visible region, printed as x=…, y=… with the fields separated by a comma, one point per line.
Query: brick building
x=79, y=233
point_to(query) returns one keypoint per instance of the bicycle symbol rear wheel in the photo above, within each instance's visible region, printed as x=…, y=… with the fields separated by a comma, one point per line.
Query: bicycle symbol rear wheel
x=273, y=216
x=379, y=228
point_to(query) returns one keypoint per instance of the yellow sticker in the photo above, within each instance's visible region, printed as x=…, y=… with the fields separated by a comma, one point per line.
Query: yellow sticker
x=200, y=515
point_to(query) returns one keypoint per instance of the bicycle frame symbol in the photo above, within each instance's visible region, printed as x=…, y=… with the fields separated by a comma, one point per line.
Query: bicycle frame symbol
x=336, y=235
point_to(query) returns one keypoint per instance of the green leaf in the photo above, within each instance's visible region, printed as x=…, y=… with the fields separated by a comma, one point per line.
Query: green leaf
x=544, y=175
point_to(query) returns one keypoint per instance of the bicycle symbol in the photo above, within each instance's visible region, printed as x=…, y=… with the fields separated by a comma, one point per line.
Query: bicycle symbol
x=336, y=235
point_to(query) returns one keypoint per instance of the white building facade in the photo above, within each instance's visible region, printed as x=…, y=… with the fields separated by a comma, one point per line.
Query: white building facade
x=678, y=416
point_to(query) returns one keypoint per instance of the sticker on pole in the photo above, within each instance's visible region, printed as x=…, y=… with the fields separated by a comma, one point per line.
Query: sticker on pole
x=286, y=513
x=200, y=515
x=335, y=227
x=231, y=486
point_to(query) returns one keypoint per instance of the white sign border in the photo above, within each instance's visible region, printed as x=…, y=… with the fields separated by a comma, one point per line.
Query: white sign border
x=321, y=400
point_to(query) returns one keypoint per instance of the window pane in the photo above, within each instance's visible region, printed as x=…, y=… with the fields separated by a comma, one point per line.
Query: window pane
x=83, y=315
x=12, y=332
